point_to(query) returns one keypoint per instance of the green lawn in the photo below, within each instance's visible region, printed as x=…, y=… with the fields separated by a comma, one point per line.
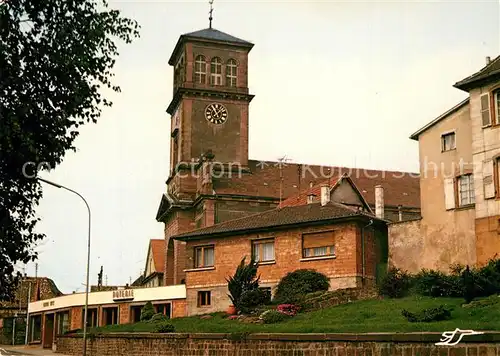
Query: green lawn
x=361, y=316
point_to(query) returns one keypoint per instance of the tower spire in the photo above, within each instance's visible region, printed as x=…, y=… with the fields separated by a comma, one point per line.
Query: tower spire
x=211, y=10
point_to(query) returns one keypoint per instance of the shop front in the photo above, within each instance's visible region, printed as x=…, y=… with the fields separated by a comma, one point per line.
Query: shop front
x=52, y=317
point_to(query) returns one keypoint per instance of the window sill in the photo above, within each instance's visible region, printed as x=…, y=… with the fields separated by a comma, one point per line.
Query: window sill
x=305, y=259
x=200, y=269
x=263, y=263
x=466, y=207
x=453, y=149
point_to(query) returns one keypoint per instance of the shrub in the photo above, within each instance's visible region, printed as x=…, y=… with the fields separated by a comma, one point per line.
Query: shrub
x=437, y=284
x=243, y=281
x=295, y=285
x=428, y=315
x=147, y=312
x=468, y=284
x=159, y=317
x=395, y=284
x=288, y=309
x=487, y=279
x=164, y=327
x=273, y=316
x=253, y=298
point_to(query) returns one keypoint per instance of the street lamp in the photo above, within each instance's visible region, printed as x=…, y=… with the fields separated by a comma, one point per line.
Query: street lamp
x=88, y=261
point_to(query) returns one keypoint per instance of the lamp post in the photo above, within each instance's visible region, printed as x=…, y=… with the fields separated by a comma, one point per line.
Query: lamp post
x=88, y=261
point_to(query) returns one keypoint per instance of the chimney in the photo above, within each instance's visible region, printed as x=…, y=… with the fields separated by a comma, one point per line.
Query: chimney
x=379, y=201
x=400, y=212
x=488, y=60
x=310, y=198
x=325, y=194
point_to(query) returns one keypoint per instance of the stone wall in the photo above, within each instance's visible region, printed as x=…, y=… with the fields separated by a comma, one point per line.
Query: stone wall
x=411, y=344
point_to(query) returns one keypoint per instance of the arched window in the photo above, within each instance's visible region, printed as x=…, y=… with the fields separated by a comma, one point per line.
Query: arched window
x=231, y=73
x=200, y=70
x=216, y=71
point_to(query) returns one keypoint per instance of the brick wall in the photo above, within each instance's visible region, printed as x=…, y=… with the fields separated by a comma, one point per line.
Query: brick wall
x=344, y=271
x=415, y=344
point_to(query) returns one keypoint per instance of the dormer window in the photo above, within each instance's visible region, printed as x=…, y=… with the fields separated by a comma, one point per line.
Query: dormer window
x=216, y=71
x=200, y=70
x=231, y=73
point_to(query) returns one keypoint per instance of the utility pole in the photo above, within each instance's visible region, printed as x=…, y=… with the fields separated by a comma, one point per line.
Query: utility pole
x=36, y=270
x=28, y=315
x=106, y=280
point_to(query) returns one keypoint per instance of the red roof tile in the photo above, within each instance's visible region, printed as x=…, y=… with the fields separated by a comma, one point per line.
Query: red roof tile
x=278, y=218
x=400, y=188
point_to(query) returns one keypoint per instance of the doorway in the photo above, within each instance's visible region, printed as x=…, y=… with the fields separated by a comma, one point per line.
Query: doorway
x=48, y=331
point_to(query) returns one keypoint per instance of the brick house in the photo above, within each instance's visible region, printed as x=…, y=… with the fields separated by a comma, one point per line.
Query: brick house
x=155, y=264
x=212, y=180
x=459, y=177
x=338, y=236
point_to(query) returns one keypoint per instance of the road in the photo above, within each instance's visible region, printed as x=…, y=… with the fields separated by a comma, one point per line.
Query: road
x=4, y=352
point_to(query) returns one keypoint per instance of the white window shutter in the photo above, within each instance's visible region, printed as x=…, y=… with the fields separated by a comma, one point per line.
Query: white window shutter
x=449, y=193
x=488, y=181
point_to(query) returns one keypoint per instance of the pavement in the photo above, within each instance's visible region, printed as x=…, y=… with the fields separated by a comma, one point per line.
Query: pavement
x=26, y=351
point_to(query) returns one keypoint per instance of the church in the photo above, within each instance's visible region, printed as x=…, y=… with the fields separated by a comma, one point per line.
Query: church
x=212, y=180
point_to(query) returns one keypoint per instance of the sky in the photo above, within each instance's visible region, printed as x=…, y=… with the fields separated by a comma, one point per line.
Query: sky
x=335, y=83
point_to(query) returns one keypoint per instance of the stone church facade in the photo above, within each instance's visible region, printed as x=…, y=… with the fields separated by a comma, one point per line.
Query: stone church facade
x=211, y=178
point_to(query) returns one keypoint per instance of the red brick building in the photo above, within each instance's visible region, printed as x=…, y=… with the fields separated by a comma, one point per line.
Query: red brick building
x=212, y=180
x=338, y=236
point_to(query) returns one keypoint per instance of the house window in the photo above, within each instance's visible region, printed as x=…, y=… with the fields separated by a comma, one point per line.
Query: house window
x=318, y=244
x=448, y=142
x=135, y=313
x=466, y=189
x=231, y=73
x=62, y=322
x=110, y=315
x=263, y=250
x=496, y=96
x=485, y=110
x=91, y=318
x=204, y=256
x=216, y=71
x=36, y=328
x=200, y=70
x=204, y=298
x=163, y=309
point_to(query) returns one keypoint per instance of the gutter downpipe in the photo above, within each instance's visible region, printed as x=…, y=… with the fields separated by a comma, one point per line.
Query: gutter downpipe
x=363, y=250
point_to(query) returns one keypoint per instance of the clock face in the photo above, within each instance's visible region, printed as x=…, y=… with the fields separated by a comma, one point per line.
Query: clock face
x=216, y=113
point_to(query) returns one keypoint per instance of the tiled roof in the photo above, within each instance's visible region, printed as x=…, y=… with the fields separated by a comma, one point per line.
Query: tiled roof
x=400, y=188
x=301, y=198
x=158, y=250
x=278, y=218
x=490, y=69
x=216, y=35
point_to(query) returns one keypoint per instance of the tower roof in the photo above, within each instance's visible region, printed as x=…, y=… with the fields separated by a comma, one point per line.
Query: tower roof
x=210, y=35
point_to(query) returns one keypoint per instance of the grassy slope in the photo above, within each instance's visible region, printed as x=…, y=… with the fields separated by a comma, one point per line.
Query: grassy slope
x=361, y=316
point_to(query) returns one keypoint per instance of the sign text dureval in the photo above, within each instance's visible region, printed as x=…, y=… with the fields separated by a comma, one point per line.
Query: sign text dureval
x=123, y=294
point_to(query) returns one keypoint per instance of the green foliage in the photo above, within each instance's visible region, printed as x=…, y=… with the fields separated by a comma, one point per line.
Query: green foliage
x=487, y=279
x=164, y=327
x=56, y=57
x=273, y=316
x=428, y=315
x=295, y=285
x=395, y=284
x=159, y=317
x=437, y=284
x=243, y=281
x=251, y=299
x=147, y=312
x=486, y=302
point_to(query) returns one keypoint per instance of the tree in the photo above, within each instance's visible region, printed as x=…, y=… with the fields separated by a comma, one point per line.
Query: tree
x=56, y=56
x=243, y=281
x=147, y=311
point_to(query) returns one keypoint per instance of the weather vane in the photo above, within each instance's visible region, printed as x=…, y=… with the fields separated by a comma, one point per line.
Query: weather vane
x=211, y=10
